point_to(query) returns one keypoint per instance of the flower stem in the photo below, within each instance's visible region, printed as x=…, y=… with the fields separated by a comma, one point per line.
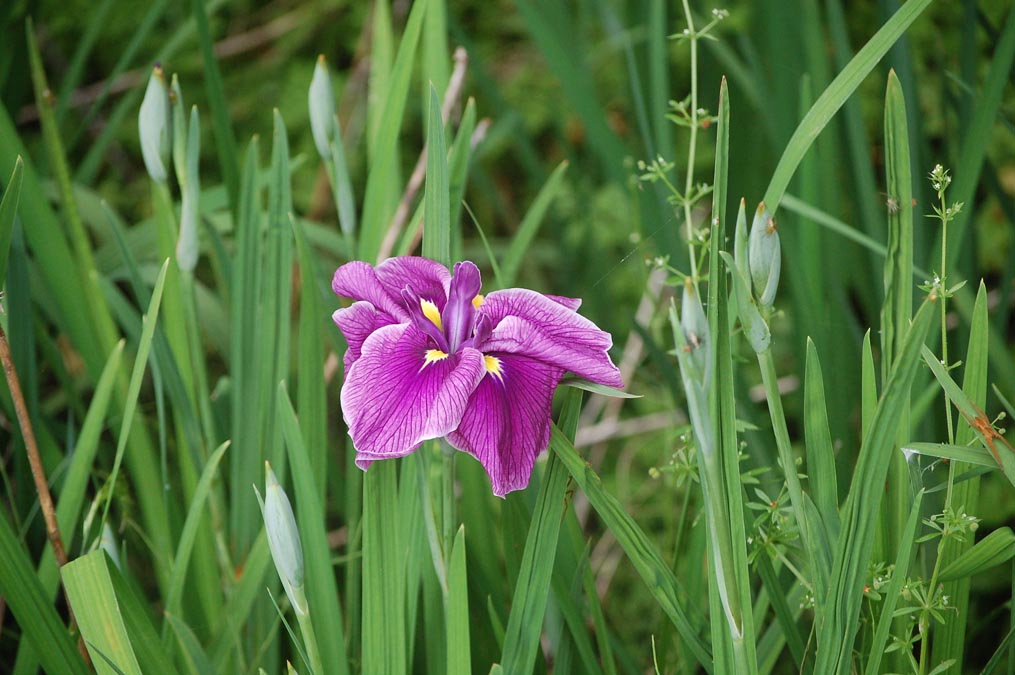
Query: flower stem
x=310, y=643
x=692, y=143
x=770, y=380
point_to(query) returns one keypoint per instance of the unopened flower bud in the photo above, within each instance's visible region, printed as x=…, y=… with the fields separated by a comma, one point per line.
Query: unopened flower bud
x=695, y=326
x=179, y=118
x=321, y=100
x=153, y=125
x=190, y=211
x=765, y=257
x=107, y=542
x=284, y=540
x=740, y=241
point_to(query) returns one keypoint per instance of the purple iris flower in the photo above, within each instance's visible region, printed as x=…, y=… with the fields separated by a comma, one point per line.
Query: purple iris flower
x=429, y=357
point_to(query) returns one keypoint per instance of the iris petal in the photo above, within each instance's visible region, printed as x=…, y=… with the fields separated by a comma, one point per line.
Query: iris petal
x=536, y=326
x=359, y=281
x=357, y=322
x=394, y=398
x=507, y=422
x=429, y=279
x=459, y=314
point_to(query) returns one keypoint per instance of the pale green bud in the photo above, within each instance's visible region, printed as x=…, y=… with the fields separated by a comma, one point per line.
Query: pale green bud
x=755, y=327
x=107, y=542
x=190, y=212
x=695, y=326
x=179, y=117
x=284, y=540
x=765, y=257
x=740, y=241
x=153, y=126
x=321, y=100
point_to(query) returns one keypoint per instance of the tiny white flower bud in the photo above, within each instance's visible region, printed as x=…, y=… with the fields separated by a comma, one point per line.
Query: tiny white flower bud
x=179, y=119
x=765, y=257
x=284, y=540
x=190, y=212
x=321, y=100
x=153, y=125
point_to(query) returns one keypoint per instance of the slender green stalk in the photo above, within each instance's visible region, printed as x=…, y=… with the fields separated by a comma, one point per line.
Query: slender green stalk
x=310, y=643
x=692, y=37
x=782, y=442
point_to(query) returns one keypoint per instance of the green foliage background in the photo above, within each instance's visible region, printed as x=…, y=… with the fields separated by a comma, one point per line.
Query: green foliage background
x=586, y=83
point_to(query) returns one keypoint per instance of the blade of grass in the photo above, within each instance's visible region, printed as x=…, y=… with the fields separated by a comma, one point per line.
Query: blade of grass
x=896, y=312
x=311, y=393
x=225, y=141
x=188, y=535
x=529, y=226
x=244, y=321
x=322, y=591
x=383, y=613
x=378, y=204
x=841, y=88
x=894, y=590
x=114, y=624
x=528, y=604
x=966, y=454
x=856, y=541
x=191, y=653
x=976, y=140
x=72, y=76
x=552, y=29
x=459, y=156
x=32, y=606
x=8, y=212
x=459, y=646
x=821, y=476
x=949, y=638
x=656, y=574
x=437, y=208
x=996, y=548
x=236, y=610
x=136, y=377
x=71, y=494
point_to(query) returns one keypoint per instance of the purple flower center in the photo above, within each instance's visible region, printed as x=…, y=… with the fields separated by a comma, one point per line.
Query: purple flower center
x=459, y=324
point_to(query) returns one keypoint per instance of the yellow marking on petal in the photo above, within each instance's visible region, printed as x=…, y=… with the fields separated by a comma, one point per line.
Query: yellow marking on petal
x=432, y=356
x=478, y=301
x=431, y=312
x=493, y=366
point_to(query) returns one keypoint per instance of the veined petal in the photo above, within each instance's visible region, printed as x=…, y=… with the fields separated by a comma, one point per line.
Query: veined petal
x=357, y=322
x=507, y=422
x=429, y=279
x=530, y=324
x=571, y=303
x=359, y=281
x=401, y=392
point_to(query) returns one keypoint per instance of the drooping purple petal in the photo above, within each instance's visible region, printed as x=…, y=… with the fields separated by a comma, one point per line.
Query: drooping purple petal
x=507, y=422
x=357, y=322
x=529, y=323
x=400, y=393
x=459, y=315
x=429, y=279
x=571, y=303
x=359, y=281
